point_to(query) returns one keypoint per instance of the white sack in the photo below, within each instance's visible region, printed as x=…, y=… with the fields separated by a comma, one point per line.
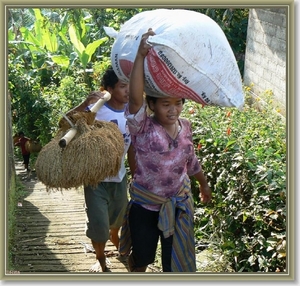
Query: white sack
x=190, y=58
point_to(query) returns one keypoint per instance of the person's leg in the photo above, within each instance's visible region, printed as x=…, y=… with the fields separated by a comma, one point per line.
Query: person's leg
x=166, y=252
x=144, y=236
x=118, y=200
x=100, y=256
x=96, y=200
x=114, y=236
x=26, y=161
x=133, y=267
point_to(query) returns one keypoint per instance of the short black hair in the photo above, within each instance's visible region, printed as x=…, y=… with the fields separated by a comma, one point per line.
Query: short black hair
x=21, y=133
x=109, y=78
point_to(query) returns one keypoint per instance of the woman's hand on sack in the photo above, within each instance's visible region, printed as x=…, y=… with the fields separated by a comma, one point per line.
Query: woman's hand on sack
x=144, y=45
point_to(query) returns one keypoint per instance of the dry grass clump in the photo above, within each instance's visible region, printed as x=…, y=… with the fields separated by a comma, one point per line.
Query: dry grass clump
x=33, y=146
x=94, y=154
x=74, y=116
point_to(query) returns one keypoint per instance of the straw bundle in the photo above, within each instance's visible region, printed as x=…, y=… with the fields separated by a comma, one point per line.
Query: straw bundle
x=74, y=116
x=33, y=146
x=94, y=154
x=16, y=138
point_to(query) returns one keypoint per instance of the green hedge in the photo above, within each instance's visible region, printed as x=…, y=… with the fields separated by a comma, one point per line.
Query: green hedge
x=243, y=154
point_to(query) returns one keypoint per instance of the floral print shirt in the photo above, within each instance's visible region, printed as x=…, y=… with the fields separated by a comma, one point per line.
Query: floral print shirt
x=161, y=162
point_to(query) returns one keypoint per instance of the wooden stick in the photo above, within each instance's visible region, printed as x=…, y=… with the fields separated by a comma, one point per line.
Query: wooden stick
x=100, y=102
x=63, y=142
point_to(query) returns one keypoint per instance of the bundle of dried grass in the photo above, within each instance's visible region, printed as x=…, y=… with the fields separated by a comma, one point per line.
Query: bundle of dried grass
x=33, y=146
x=94, y=154
x=74, y=116
x=16, y=138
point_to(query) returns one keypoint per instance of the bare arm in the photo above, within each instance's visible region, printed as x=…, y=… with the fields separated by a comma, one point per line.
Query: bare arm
x=93, y=97
x=81, y=107
x=131, y=159
x=205, y=191
x=137, y=77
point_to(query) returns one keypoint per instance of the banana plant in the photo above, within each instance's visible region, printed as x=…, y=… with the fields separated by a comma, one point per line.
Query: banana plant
x=39, y=41
x=55, y=44
x=84, y=53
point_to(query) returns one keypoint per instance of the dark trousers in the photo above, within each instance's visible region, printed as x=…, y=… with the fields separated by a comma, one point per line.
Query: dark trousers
x=145, y=235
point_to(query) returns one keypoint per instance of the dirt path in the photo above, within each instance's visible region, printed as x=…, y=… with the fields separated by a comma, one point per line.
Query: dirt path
x=51, y=231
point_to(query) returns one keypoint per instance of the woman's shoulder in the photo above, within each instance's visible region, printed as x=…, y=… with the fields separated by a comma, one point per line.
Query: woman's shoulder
x=184, y=121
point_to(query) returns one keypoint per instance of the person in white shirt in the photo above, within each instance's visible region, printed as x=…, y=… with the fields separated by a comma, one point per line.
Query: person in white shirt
x=106, y=204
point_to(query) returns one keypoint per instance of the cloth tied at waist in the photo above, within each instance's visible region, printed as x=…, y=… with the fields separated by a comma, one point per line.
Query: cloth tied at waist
x=175, y=218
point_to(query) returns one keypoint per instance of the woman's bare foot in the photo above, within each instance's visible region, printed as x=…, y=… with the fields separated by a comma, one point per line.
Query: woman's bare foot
x=96, y=267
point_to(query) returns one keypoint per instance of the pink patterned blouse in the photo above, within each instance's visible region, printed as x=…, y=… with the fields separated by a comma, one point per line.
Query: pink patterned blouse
x=161, y=162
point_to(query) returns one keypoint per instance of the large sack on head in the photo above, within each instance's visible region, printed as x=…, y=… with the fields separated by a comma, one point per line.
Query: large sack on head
x=94, y=154
x=190, y=58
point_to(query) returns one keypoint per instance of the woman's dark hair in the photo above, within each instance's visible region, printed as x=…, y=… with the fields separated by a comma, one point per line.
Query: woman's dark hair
x=109, y=79
x=21, y=133
x=153, y=99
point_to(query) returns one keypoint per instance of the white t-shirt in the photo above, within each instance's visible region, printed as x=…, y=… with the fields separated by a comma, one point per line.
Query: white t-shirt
x=107, y=113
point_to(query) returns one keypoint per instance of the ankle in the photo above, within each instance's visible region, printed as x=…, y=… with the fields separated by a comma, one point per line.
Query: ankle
x=133, y=268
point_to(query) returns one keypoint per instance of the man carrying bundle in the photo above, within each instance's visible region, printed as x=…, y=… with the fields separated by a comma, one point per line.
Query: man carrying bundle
x=25, y=153
x=106, y=204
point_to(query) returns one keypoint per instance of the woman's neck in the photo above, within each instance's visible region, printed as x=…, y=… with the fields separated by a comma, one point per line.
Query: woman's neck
x=171, y=129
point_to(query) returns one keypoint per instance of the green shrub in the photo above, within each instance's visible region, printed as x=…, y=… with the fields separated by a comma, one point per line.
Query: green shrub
x=59, y=100
x=243, y=154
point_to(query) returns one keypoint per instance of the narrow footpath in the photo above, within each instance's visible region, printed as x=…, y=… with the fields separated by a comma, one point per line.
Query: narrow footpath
x=51, y=231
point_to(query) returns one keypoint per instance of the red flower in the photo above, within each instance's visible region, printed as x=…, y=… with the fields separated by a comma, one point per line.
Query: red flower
x=199, y=146
x=228, y=114
x=191, y=110
x=228, y=131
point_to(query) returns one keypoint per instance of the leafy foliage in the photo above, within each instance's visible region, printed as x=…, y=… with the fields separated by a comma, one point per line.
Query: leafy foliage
x=243, y=154
x=49, y=46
